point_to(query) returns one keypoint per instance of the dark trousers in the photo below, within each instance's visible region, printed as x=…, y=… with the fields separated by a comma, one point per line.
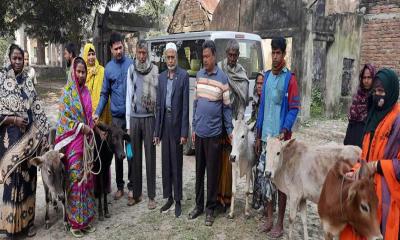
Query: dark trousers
x=172, y=161
x=119, y=163
x=208, y=156
x=142, y=131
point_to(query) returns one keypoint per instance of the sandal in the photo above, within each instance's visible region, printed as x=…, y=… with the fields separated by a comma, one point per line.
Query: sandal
x=77, y=233
x=89, y=229
x=31, y=232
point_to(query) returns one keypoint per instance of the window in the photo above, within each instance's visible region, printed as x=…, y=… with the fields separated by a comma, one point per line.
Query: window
x=189, y=55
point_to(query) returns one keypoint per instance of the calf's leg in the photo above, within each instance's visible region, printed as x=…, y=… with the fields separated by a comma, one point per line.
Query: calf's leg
x=48, y=198
x=303, y=212
x=234, y=182
x=248, y=178
x=100, y=189
x=293, y=203
x=105, y=192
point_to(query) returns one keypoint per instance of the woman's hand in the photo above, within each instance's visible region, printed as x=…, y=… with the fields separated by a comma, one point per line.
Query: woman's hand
x=20, y=122
x=86, y=129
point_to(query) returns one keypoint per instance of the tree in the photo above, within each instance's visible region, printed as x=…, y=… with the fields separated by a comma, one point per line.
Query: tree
x=158, y=11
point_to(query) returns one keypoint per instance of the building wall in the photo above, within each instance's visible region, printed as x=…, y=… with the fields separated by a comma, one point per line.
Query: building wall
x=189, y=17
x=381, y=33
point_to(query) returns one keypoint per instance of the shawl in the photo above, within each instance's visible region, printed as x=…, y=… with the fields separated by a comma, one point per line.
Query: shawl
x=12, y=104
x=150, y=85
x=239, y=85
x=94, y=82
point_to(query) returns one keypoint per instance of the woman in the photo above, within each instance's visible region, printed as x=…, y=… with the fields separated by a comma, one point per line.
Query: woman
x=381, y=149
x=73, y=126
x=359, y=107
x=23, y=127
x=257, y=198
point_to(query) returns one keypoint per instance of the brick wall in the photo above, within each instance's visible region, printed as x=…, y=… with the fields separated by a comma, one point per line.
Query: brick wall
x=189, y=17
x=381, y=33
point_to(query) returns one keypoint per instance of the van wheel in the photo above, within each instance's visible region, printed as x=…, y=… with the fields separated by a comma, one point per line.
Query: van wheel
x=188, y=148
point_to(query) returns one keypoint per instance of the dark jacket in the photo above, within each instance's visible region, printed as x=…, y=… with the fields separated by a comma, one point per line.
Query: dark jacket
x=179, y=103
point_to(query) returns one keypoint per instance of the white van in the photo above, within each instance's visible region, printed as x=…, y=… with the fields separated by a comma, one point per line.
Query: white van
x=190, y=58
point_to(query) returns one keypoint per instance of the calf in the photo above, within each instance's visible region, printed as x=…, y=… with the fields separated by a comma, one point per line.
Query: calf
x=243, y=159
x=299, y=171
x=112, y=144
x=351, y=201
x=53, y=176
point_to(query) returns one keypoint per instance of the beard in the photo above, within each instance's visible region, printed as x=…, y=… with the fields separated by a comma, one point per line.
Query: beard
x=172, y=68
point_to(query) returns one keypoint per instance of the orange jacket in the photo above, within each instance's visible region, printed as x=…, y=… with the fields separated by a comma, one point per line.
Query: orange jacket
x=377, y=151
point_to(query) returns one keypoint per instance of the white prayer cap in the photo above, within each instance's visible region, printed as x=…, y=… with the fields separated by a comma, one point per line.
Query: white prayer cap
x=170, y=45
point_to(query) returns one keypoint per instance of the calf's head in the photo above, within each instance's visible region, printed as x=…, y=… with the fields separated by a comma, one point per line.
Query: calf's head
x=240, y=138
x=362, y=204
x=115, y=138
x=53, y=173
x=274, y=154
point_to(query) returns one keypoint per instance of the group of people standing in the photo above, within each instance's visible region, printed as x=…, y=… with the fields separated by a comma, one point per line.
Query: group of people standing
x=154, y=108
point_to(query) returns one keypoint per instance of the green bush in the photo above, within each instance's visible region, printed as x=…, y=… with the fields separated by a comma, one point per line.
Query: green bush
x=4, y=44
x=316, y=103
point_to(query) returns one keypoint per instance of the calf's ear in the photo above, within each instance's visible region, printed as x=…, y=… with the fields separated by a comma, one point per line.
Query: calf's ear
x=251, y=125
x=126, y=137
x=352, y=192
x=61, y=155
x=37, y=161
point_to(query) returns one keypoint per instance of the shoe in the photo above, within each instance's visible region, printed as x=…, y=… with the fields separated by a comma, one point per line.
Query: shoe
x=209, y=219
x=152, y=204
x=178, y=209
x=89, y=229
x=195, y=213
x=132, y=201
x=76, y=233
x=167, y=206
x=119, y=194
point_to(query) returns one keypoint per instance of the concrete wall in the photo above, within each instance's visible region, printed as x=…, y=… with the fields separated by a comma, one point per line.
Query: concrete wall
x=49, y=72
x=341, y=6
x=346, y=45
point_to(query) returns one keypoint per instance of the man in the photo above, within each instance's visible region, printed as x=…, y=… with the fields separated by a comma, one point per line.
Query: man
x=278, y=110
x=239, y=86
x=114, y=86
x=141, y=100
x=211, y=112
x=29, y=69
x=69, y=54
x=172, y=124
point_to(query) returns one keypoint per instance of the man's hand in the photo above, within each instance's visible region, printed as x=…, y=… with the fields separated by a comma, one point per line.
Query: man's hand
x=258, y=146
x=373, y=166
x=193, y=137
x=20, y=122
x=183, y=140
x=156, y=140
x=283, y=134
x=95, y=119
x=230, y=137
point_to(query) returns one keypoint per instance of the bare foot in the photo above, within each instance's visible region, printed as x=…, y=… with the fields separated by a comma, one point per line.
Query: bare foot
x=266, y=226
x=276, y=232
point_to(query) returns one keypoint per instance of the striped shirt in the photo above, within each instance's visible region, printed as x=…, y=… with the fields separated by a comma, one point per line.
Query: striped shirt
x=211, y=105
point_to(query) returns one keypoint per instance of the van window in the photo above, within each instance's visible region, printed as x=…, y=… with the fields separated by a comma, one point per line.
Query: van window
x=250, y=55
x=189, y=55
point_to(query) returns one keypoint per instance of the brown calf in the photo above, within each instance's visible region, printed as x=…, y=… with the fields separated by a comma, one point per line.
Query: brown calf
x=345, y=200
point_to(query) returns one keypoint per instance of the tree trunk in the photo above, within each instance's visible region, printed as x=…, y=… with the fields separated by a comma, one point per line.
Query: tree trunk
x=41, y=54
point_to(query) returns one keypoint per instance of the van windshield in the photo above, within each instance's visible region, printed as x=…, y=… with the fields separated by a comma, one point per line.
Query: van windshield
x=250, y=55
x=190, y=55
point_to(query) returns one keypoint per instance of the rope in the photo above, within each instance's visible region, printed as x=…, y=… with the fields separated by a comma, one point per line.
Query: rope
x=88, y=158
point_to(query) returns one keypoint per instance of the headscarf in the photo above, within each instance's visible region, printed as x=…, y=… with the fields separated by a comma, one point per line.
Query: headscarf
x=94, y=82
x=359, y=106
x=390, y=82
x=72, y=114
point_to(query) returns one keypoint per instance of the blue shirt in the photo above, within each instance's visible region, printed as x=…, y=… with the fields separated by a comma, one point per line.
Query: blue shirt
x=169, y=93
x=274, y=92
x=114, y=86
x=209, y=117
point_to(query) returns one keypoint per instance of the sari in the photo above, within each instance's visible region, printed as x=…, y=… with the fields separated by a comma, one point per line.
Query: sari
x=18, y=98
x=75, y=110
